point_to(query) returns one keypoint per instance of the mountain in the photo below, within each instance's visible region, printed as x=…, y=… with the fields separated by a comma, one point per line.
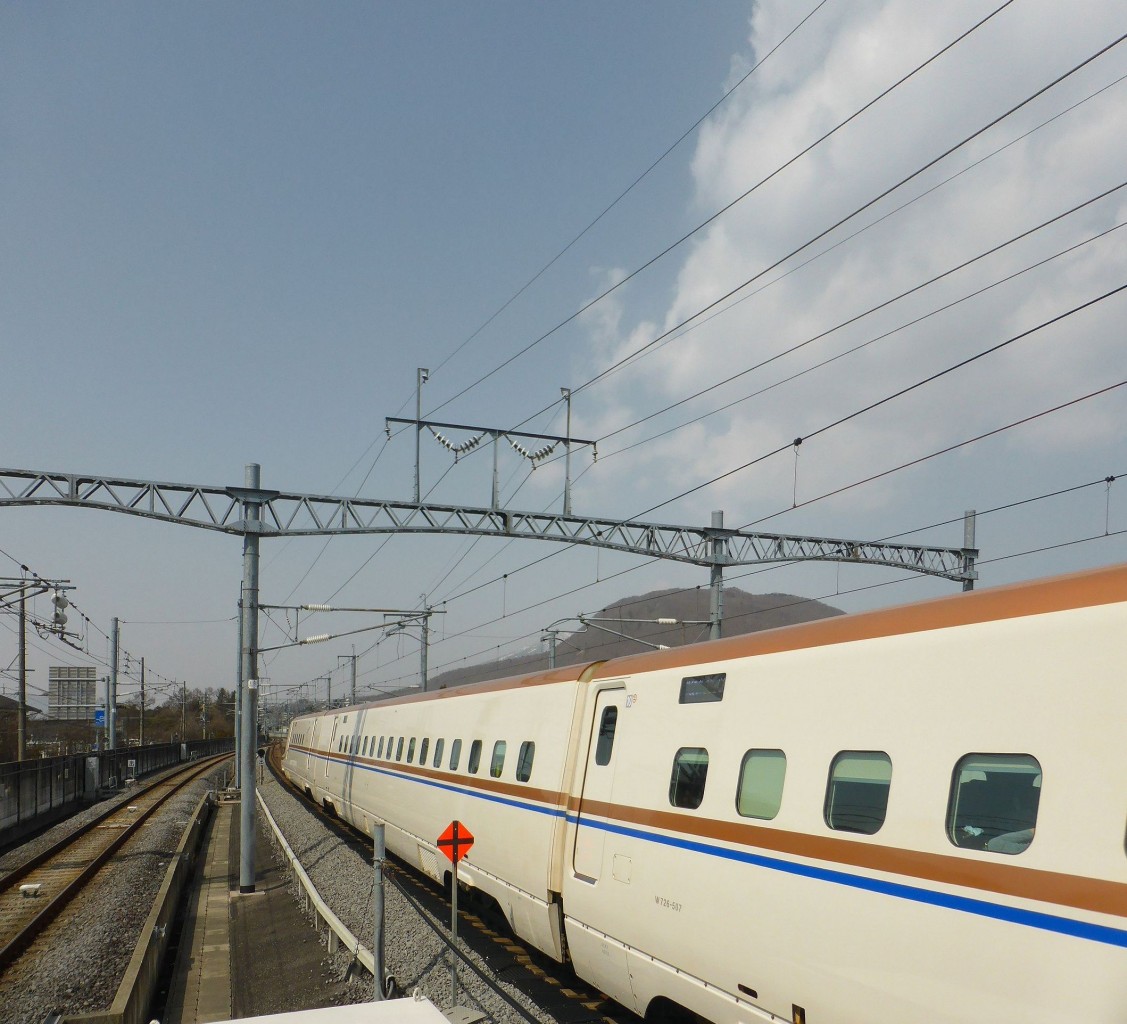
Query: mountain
x=743, y=613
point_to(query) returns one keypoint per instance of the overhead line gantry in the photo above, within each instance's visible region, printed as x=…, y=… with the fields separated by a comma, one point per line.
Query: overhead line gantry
x=253, y=512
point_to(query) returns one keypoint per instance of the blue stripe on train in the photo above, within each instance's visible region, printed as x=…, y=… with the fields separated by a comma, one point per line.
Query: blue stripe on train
x=966, y=905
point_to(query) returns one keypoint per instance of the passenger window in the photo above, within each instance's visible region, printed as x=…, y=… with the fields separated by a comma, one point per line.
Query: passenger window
x=760, y=791
x=423, y=750
x=411, y=751
x=399, y=749
x=524, y=761
x=686, y=783
x=438, y=745
x=857, y=794
x=364, y=750
x=605, y=742
x=993, y=802
x=455, y=754
x=379, y=753
x=475, y=757
x=497, y=765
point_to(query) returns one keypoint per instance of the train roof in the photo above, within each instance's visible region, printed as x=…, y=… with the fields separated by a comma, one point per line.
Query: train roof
x=1061, y=593
x=1076, y=590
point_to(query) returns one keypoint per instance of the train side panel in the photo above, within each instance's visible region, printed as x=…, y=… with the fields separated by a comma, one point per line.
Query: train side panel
x=512, y=802
x=733, y=916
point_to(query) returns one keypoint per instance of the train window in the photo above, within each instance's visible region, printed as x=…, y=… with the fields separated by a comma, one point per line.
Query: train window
x=455, y=754
x=423, y=750
x=605, y=742
x=379, y=753
x=686, y=783
x=390, y=746
x=857, y=793
x=524, y=761
x=497, y=765
x=411, y=751
x=702, y=689
x=993, y=802
x=474, y=761
x=438, y=745
x=760, y=791
x=399, y=749
x=364, y=748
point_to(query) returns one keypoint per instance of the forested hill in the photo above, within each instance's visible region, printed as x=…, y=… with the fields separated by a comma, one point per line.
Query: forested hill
x=743, y=613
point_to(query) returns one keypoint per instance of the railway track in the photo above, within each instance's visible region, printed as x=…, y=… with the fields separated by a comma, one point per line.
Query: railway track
x=550, y=985
x=35, y=893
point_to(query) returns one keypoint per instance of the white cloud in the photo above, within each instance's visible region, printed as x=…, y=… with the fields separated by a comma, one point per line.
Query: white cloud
x=846, y=55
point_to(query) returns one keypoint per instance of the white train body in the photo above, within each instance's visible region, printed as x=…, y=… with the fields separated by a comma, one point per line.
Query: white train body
x=917, y=814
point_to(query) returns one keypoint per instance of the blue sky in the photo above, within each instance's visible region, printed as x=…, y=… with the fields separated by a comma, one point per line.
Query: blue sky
x=231, y=233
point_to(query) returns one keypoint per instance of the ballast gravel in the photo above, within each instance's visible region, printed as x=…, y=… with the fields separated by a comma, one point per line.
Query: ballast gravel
x=413, y=953
x=78, y=963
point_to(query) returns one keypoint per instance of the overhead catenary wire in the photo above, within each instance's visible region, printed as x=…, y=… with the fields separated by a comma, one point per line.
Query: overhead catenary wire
x=848, y=217
x=946, y=450
x=899, y=393
x=724, y=209
x=630, y=188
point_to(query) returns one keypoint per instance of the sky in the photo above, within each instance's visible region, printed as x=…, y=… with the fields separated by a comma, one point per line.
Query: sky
x=231, y=234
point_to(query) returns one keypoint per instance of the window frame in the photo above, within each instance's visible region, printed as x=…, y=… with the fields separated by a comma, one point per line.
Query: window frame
x=743, y=778
x=679, y=769
x=497, y=759
x=1006, y=840
x=831, y=813
x=525, y=757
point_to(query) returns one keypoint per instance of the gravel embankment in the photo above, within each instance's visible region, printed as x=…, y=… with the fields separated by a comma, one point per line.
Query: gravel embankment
x=414, y=955
x=80, y=960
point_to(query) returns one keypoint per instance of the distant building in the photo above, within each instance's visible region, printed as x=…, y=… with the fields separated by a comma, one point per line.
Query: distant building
x=72, y=692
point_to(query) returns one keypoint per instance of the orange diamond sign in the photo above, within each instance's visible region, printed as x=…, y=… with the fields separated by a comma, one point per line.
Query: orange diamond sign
x=456, y=841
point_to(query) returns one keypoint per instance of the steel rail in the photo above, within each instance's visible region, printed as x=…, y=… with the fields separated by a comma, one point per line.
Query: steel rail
x=29, y=926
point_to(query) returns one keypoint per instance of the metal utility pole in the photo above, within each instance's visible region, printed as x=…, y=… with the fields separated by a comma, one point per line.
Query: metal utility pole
x=408, y=619
x=251, y=498
x=716, y=573
x=21, y=716
x=141, y=734
x=969, y=550
x=111, y=696
x=423, y=377
x=352, y=681
x=239, y=701
x=566, y=392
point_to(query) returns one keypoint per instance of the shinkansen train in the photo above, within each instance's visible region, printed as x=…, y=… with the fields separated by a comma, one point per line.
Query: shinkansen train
x=916, y=814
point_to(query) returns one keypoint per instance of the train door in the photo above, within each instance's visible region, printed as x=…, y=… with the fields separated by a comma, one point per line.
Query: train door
x=598, y=784
x=331, y=746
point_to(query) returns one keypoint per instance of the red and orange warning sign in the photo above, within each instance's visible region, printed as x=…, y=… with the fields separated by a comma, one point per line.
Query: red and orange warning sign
x=456, y=841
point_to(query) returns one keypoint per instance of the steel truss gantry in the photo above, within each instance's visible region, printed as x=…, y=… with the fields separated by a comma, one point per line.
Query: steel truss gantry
x=252, y=513
x=281, y=514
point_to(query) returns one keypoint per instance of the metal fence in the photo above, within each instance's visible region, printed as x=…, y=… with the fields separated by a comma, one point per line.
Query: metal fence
x=34, y=794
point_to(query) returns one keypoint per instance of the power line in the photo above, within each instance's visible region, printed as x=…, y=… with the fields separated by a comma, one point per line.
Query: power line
x=699, y=227
x=629, y=188
x=931, y=378
x=860, y=316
